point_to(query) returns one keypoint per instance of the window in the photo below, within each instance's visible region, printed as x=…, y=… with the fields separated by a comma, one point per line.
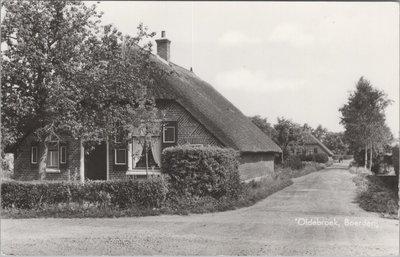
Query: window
x=169, y=134
x=315, y=150
x=120, y=156
x=63, y=154
x=34, y=154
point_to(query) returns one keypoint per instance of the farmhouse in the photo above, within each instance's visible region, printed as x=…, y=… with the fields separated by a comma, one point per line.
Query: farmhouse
x=311, y=145
x=194, y=113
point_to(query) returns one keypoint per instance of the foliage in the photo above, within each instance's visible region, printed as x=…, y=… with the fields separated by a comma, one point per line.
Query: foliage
x=294, y=162
x=317, y=157
x=202, y=171
x=102, y=204
x=289, y=134
x=320, y=133
x=395, y=159
x=264, y=126
x=118, y=194
x=363, y=117
x=378, y=194
x=336, y=142
x=63, y=72
x=321, y=158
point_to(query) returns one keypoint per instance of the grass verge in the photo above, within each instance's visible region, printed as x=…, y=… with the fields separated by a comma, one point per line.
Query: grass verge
x=377, y=194
x=252, y=193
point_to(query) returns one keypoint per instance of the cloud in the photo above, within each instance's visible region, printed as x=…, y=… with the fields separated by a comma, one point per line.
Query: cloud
x=237, y=38
x=292, y=34
x=254, y=81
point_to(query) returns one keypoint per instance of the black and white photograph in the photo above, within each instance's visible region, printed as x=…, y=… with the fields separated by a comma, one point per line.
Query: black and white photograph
x=179, y=128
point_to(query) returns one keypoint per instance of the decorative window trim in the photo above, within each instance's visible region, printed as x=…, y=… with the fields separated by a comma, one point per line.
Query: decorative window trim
x=36, y=155
x=63, y=154
x=115, y=156
x=164, y=129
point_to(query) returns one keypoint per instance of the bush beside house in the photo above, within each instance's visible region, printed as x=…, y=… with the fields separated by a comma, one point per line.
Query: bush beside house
x=202, y=171
x=195, y=180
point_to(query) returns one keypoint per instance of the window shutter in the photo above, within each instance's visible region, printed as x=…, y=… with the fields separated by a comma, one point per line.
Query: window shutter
x=34, y=154
x=63, y=154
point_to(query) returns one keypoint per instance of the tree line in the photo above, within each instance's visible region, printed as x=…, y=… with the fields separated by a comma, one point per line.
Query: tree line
x=287, y=133
x=366, y=135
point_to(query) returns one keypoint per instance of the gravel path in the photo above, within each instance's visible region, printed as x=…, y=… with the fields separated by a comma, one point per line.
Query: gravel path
x=274, y=226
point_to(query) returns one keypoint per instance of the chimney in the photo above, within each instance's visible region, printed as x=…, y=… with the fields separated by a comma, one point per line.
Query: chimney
x=163, y=46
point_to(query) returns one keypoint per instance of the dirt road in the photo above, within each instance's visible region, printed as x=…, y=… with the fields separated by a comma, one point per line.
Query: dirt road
x=274, y=226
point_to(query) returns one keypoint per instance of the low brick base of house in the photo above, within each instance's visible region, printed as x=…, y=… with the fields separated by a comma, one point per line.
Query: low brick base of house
x=253, y=165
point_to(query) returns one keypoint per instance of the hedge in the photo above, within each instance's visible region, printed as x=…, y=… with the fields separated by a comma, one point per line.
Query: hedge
x=294, y=162
x=317, y=157
x=121, y=194
x=202, y=171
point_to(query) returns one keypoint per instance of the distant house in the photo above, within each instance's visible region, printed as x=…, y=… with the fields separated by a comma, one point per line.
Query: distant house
x=194, y=113
x=311, y=145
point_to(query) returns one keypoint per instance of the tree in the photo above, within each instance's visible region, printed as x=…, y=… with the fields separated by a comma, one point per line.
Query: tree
x=336, y=143
x=288, y=134
x=363, y=117
x=320, y=133
x=64, y=73
x=264, y=126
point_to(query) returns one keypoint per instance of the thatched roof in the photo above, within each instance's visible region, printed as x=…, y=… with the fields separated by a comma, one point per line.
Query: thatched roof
x=210, y=108
x=310, y=139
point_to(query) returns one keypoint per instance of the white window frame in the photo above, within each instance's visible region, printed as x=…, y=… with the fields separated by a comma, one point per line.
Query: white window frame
x=58, y=153
x=49, y=159
x=61, y=154
x=169, y=142
x=115, y=156
x=34, y=162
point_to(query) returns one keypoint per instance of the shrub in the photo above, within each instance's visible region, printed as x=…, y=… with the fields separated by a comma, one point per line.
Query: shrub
x=294, y=162
x=377, y=194
x=395, y=159
x=202, y=171
x=321, y=157
x=316, y=157
x=27, y=195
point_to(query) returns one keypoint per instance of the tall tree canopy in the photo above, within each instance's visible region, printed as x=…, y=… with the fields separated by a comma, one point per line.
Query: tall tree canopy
x=320, y=133
x=336, y=143
x=289, y=133
x=264, y=126
x=62, y=72
x=363, y=117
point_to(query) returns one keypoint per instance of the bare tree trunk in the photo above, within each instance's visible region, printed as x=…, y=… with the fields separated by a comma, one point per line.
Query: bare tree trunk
x=42, y=163
x=370, y=159
x=366, y=157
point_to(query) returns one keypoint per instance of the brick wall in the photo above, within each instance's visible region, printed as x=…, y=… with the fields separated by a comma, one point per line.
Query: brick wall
x=254, y=165
x=24, y=170
x=190, y=131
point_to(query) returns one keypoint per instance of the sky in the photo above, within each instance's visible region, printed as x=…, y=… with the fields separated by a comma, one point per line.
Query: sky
x=275, y=59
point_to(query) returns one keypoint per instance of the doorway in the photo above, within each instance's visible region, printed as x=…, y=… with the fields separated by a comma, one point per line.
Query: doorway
x=96, y=163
